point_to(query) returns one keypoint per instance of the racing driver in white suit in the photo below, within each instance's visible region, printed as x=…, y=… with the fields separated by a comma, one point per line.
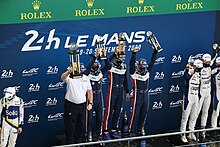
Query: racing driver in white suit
x=12, y=112
x=191, y=98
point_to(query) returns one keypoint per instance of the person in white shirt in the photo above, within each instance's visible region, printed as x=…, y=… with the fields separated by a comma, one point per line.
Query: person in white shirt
x=74, y=106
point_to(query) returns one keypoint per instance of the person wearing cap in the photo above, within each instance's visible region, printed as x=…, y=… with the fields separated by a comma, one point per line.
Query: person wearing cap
x=140, y=77
x=191, y=99
x=78, y=90
x=216, y=94
x=205, y=91
x=12, y=112
x=117, y=84
x=95, y=76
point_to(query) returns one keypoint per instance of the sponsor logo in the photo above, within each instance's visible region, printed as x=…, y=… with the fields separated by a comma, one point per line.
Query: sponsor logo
x=7, y=74
x=174, y=89
x=90, y=12
x=141, y=8
x=159, y=76
x=30, y=72
x=176, y=104
x=90, y=3
x=193, y=58
x=34, y=43
x=54, y=117
x=178, y=74
x=31, y=103
x=157, y=105
x=51, y=101
x=11, y=113
x=140, y=2
x=36, y=14
x=17, y=88
x=52, y=70
x=176, y=59
x=155, y=91
x=159, y=60
x=33, y=118
x=34, y=87
x=190, y=5
x=56, y=86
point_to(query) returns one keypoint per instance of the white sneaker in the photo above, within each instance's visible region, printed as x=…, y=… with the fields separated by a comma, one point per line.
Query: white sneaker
x=183, y=138
x=192, y=136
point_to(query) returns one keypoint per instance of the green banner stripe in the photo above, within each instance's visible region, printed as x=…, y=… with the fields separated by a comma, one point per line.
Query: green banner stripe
x=45, y=11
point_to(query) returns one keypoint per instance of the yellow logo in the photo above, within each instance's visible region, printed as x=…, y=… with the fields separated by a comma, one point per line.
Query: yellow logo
x=36, y=5
x=90, y=11
x=36, y=14
x=140, y=2
x=90, y=3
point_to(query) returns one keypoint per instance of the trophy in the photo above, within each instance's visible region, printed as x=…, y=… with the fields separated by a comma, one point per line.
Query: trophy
x=74, y=61
x=153, y=41
x=216, y=47
x=121, y=46
x=101, y=47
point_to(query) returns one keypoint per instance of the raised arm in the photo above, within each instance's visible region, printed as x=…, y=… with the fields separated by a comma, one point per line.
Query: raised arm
x=152, y=61
x=132, y=63
x=106, y=67
x=91, y=62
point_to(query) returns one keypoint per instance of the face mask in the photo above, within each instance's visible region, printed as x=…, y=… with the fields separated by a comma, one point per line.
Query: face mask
x=95, y=68
x=198, y=69
x=142, y=70
x=118, y=62
x=206, y=65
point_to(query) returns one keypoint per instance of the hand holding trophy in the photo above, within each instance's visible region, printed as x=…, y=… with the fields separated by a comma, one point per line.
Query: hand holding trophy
x=121, y=46
x=153, y=41
x=136, y=49
x=74, y=61
x=101, y=47
x=216, y=47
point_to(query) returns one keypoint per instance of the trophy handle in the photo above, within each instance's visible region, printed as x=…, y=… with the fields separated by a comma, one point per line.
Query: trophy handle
x=78, y=63
x=72, y=62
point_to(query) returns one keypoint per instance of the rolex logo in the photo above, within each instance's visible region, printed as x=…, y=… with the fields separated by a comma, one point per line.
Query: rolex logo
x=140, y=2
x=90, y=3
x=36, y=5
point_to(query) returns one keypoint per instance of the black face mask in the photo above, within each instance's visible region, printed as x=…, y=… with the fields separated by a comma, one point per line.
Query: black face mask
x=118, y=62
x=142, y=70
x=206, y=65
x=95, y=68
x=198, y=69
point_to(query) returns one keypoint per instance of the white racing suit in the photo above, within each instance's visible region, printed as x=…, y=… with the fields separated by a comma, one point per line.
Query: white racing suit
x=12, y=112
x=205, y=95
x=216, y=104
x=190, y=101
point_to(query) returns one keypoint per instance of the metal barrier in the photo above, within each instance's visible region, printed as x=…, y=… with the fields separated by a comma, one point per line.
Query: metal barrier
x=129, y=139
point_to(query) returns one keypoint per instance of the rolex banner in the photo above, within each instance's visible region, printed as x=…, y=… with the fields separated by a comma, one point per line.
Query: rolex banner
x=47, y=11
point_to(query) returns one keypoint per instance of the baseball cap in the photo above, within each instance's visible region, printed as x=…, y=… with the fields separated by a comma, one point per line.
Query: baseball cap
x=198, y=63
x=9, y=92
x=217, y=60
x=207, y=57
x=142, y=62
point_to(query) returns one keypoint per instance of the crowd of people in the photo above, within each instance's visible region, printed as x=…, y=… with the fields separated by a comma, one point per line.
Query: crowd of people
x=90, y=84
x=84, y=95
x=202, y=83
x=196, y=97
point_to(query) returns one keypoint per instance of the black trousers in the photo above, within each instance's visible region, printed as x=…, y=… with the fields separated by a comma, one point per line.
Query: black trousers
x=74, y=118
